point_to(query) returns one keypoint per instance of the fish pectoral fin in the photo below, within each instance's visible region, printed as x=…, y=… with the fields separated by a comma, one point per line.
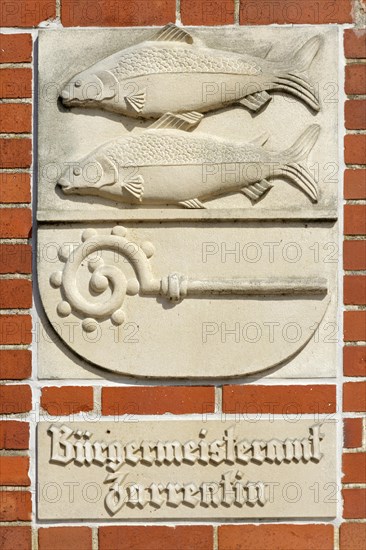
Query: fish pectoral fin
x=180, y=121
x=255, y=101
x=136, y=100
x=257, y=190
x=172, y=33
x=192, y=203
x=135, y=186
x=261, y=140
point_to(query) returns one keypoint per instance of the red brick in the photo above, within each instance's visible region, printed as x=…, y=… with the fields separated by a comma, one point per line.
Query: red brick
x=355, y=114
x=96, y=13
x=275, y=537
x=15, y=537
x=14, y=470
x=355, y=43
x=15, y=364
x=15, y=399
x=15, y=153
x=15, y=83
x=15, y=258
x=354, y=396
x=15, y=118
x=64, y=538
x=197, y=537
x=355, y=79
x=15, y=293
x=354, y=360
x=355, y=148
x=281, y=12
x=15, y=223
x=354, y=289
x=354, y=468
x=14, y=435
x=355, y=184
x=207, y=12
x=354, y=503
x=15, y=48
x=279, y=399
x=15, y=329
x=354, y=326
x=14, y=187
x=352, y=536
x=15, y=506
x=158, y=400
x=352, y=433
x=26, y=13
x=67, y=400
x=355, y=219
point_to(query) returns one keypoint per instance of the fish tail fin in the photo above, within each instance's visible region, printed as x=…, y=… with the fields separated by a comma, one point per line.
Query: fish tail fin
x=303, y=145
x=292, y=167
x=304, y=56
x=294, y=81
x=298, y=174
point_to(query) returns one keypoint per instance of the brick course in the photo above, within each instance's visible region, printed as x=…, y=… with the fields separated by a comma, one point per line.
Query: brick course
x=158, y=400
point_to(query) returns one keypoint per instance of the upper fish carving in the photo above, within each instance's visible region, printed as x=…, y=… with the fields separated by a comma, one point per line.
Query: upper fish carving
x=174, y=72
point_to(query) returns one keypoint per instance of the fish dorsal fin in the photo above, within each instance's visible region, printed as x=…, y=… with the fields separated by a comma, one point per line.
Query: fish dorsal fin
x=262, y=50
x=135, y=186
x=172, y=33
x=192, y=203
x=257, y=190
x=261, y=140
x=181, y=121
x=136, y=100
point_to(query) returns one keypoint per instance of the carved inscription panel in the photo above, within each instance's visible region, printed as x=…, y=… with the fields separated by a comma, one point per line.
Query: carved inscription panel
x=186, y=469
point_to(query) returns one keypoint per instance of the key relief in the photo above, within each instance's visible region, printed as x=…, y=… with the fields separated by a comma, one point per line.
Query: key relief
x=175, y=287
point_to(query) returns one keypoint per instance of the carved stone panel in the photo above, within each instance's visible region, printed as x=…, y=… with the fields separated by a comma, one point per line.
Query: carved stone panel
x=186, y=469
x=200, y=301
x=188, y=202
x=230, y=123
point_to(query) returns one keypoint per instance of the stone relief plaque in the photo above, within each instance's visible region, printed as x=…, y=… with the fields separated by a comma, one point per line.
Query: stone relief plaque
x=245, y=123
x=214, y=469
x=136, y=301
x=160, y=150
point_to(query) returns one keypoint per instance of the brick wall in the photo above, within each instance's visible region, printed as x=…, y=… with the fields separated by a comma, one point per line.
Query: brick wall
x=18, y=525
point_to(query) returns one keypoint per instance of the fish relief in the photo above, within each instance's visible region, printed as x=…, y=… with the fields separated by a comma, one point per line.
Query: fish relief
x=165, y=166
x=169, y=73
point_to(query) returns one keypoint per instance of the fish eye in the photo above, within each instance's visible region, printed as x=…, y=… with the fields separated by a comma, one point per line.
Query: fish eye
x=77, y=171
x=78, y=84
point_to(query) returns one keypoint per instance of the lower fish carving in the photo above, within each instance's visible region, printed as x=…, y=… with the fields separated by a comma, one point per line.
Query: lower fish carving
x=164, y=166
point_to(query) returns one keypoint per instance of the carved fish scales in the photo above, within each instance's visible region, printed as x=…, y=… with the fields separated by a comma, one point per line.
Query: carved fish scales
x=165, y=166
x=153, y=148
x=150, y=60
x=174, y=72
